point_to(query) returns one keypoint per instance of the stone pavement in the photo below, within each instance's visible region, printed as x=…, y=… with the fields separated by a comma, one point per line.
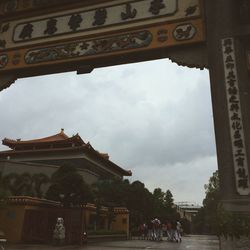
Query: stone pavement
x=192, y=242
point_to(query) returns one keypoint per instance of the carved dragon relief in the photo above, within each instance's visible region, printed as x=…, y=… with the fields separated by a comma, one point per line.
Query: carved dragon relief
x=89, y=48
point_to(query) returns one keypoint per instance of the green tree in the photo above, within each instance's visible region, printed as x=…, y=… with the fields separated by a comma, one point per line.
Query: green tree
x=206, y=221
x=158, y=204
x=170, y=210
x=104, y=191
x=105, y=196
x=19, y=184
x=68, y=186
x=159, y=195
x=168, y=199
x=141, y=204
x=39, y=180
x=25, y=184
x=210, y=203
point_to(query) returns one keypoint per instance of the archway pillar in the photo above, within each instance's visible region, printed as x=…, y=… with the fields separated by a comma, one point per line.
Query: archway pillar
x=230, y=89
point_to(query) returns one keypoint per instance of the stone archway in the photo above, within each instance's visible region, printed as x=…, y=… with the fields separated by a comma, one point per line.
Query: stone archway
x=170, y=28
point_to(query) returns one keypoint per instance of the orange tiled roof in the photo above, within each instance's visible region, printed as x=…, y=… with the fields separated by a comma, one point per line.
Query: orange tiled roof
x=57, y=138
x=26, y=200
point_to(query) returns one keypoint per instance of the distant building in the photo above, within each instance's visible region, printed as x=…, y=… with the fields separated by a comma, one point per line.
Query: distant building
x=47, y=154
x=187, y=210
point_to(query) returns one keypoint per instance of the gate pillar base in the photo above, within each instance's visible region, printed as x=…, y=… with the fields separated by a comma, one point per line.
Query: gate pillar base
x=234, y=244
x=240, y=206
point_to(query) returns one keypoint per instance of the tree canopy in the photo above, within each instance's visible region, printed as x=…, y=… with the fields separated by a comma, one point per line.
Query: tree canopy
x=142, y=204
x=24, y=184
x=206, y=221
x=68, y=186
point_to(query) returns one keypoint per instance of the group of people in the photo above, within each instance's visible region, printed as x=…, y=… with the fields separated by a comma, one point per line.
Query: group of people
x=155, y=230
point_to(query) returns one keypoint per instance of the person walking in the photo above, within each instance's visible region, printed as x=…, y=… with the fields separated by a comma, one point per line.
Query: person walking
x=150, y=230
x=178, y=231
x=169, y=231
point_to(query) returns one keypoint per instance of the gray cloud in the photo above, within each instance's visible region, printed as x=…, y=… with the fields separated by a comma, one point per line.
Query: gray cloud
x=153, y=118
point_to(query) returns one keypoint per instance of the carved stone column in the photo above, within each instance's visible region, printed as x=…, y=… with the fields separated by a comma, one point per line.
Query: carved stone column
x=230, y=88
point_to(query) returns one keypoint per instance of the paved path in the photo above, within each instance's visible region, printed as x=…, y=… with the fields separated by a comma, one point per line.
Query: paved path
x=189, y=243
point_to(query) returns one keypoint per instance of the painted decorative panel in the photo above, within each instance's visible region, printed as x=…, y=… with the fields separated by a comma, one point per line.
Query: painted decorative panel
x=121, y=43
x=91, y=47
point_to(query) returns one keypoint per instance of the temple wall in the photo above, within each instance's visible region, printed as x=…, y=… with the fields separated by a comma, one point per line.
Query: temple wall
x=8, y=167
x=12, y=219
x=121, y=222
x=27, y=219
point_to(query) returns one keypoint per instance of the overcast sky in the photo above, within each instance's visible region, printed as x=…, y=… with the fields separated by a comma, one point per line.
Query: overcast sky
x=154, y=118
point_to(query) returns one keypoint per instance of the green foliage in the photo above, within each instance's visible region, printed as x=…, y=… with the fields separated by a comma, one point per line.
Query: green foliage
x=213, y=219
x=168, y=199
x=159, y=195
x=104, y=195
x=213, y=184
x=104, y=191
x=142, y=204
x=68, y=186
x=24, y=184
x=232, y=224
x=206, y=221
x=38, y=181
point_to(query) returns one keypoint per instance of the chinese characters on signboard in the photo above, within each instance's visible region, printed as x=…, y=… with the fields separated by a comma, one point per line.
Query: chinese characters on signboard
x=89, y=19
x=82, y=20
x=235, y=118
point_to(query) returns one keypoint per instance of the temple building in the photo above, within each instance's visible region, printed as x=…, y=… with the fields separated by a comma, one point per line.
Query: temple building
x=22, y=214
x=47, y=154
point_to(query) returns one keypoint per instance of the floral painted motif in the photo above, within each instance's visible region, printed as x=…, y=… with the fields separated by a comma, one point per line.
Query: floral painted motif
x=3, y=60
